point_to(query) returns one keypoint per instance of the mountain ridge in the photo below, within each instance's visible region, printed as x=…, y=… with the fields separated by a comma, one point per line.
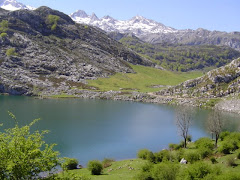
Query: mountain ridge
x=46, y=50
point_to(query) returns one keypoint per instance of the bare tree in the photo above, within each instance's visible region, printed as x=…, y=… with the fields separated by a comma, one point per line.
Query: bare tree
x=215, y=124
x=183, y=122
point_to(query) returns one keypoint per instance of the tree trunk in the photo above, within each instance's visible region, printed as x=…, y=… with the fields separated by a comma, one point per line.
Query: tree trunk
x=185, y=142
x=216, y=140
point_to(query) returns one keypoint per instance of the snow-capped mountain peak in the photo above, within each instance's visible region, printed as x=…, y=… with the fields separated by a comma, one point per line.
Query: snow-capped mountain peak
x=138, y=25
x=79, y=13
x=13, y=5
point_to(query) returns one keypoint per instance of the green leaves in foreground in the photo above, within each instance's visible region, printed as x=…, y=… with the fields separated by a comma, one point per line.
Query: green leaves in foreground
x=23, y=155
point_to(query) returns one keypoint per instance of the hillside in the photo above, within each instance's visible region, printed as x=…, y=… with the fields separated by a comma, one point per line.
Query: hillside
x=179, y=57
x=220, y=82
x=45, y=50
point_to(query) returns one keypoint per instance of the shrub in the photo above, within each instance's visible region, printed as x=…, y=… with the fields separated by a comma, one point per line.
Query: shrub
x=3, y=35
x=165, y=171
x=204, y=143
x=213, y=160
x=95, y=167
x=189, y=138
x=69, y=164
x=24, y=154
x=3, y=26
x=230, y=161
x=11, y=52
x=223, y=135
x=107, y=162
x=143, y=153
x=163, y=155
x=238, y=155
x=192, y=156
x=204, y=152
x=145, y=173
x=229, y=176
x=198, y=170
x=53, y=21
x=226, y=148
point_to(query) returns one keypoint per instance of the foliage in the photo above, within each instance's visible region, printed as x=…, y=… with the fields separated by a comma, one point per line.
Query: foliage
x=238, y=155
x=189, y=138
x=53, y=21
x=177, y=57
x=226, y=147
x=107, y=162
x=198, y=170
x=161, y=156
x=213, y=160
x=3, y=26
x=144, y=154
x=3, y=35
x=192, y=156
x=95, y=167
x=11, y=52
x=23, y=154
x=69, y=164
x=230, y=161
x=165, y=171
x=204, y=152
x=223, y=135
x=204, y=142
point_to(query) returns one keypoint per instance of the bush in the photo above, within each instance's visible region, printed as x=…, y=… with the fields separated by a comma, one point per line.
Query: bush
x=3, y=26
x=204, y=143
x=3, y=35
x=145, y=173
x=11, y=52
x=198, y=170
x=238, y=155
x=226, y=148
x=69, y=164
x=24, y=154
x=163, y=155
x=144, y=154
x=53, y=21
x=165, y=171
x=189, y=138
x=204, y=152
x=223, y=135
x=213, y=160
x=230, y=161
x=192, y=156
x=95, y=167
x=229, y=176
x=107, y=162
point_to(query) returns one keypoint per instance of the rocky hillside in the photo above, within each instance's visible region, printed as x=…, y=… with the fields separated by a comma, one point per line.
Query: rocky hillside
x=219, y=82
x=196, y=37
x=45, y=50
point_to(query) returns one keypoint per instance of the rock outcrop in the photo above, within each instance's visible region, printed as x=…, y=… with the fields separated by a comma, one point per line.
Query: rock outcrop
x=219, y=82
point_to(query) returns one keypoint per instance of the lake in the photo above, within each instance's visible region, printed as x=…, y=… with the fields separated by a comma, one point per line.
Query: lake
x=95, y=129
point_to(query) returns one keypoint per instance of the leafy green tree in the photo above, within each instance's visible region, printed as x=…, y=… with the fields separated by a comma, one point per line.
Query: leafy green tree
x=23, y=155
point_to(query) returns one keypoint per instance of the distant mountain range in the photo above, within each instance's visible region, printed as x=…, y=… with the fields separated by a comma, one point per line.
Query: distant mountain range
x=146, y=29
x=13, y=5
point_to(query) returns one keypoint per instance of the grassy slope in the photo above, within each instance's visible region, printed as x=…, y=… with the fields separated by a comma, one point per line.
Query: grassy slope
x=142, y=80
x=120, y=170
x=118, y=173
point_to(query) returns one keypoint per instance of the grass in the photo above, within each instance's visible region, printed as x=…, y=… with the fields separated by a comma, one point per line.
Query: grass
x=142, y=80
x=118, y=170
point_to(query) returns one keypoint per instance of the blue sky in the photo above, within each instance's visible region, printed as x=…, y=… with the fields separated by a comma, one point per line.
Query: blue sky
x=222, y=15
